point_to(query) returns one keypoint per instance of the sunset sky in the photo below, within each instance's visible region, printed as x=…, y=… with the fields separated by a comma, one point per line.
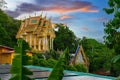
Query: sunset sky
x=83, y=17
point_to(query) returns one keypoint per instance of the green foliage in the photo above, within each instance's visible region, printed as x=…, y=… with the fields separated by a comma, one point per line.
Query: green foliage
x=112, y=30
x=65, y=38
x=98, y=54
x=118, y=78
x=36, y=57
x=51, y=62
x=71, y=67
x=81, y=68
x=43, y=62
x=52, y=54
x=39, y=60
x=8, y=29
x=78, y=67
x=116, y=59
x=57, y=72
x=5, y=37
x=115, y=69
x=18, y=70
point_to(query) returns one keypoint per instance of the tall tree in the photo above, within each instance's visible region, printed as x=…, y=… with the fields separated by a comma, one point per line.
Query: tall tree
x=112, y=30
x=65, y=38
x=10, y=27
x=57, y=72
x=4, y=40
x=98, y=54
x=18, y=70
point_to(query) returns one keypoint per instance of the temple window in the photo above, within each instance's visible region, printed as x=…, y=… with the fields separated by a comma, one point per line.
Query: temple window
x=33, y=21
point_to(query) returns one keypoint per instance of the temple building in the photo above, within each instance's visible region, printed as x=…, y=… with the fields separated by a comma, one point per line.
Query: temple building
x=80, y=57
x=38, y=32
x=6, y=54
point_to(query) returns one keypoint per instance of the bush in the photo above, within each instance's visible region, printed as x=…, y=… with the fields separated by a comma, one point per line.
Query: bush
x=81, y=68
x=43, y=62
x=36, y=57
x=118, y=78
x=71, y=67
x=52, y=54
x=115, y=69
x=51, y=62
x=57, y=72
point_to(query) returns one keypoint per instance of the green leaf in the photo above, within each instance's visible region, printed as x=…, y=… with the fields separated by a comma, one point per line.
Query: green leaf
x=109, y=11
x=116, y=58
x=111, y=3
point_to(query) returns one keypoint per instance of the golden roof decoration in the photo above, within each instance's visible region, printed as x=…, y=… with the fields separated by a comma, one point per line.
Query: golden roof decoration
x=36, y=25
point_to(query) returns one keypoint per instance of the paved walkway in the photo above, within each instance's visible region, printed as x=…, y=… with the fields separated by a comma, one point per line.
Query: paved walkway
x=5, y=72
x=37, y=73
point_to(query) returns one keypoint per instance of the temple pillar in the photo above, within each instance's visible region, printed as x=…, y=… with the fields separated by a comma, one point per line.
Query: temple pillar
x=35, y=42
x=46, y=43
x=39, y=45
x=30, y=40
x=52, y=43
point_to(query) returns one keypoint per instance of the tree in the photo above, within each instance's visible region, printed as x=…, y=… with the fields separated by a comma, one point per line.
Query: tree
x=98, y=54
x=4, y=36
x=57, y=72
x=52, y=54
x=112, y=30
x=2, y=4
x=18, y=70
x=9, y=29
x=65, y=38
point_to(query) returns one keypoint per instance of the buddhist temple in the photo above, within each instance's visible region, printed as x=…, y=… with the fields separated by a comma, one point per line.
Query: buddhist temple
x=38, y=32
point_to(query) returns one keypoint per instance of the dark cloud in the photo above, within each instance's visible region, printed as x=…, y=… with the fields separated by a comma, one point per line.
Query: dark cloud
x=61, y=6
x=12, y=13
x=27, y=7
x=23, y=8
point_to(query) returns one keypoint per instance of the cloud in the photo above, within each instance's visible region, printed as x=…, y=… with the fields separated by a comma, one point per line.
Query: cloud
x=102, y=19
x=66, y=6
x=85, y=29
x=23, y=8
x=61, y=6
x=12, y=13
x=65, y=17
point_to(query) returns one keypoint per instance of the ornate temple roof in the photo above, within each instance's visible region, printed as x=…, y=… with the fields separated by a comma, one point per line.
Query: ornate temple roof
x=37, y=25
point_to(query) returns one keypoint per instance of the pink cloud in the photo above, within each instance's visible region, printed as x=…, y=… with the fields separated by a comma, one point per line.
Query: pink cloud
x=65, y=17
x=85, y=28
x=72, y=9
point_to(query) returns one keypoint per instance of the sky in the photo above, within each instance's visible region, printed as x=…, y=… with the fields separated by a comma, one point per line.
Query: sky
x=84, y=17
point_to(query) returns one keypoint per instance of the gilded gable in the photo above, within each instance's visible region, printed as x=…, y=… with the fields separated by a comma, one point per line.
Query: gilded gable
x=35, y=31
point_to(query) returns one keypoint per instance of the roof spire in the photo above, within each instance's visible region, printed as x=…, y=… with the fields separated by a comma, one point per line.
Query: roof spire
x=41, y=13
x=45, y=16
x=35, y=13
x=50, y=19
x=29, y=16
x=25, y=17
